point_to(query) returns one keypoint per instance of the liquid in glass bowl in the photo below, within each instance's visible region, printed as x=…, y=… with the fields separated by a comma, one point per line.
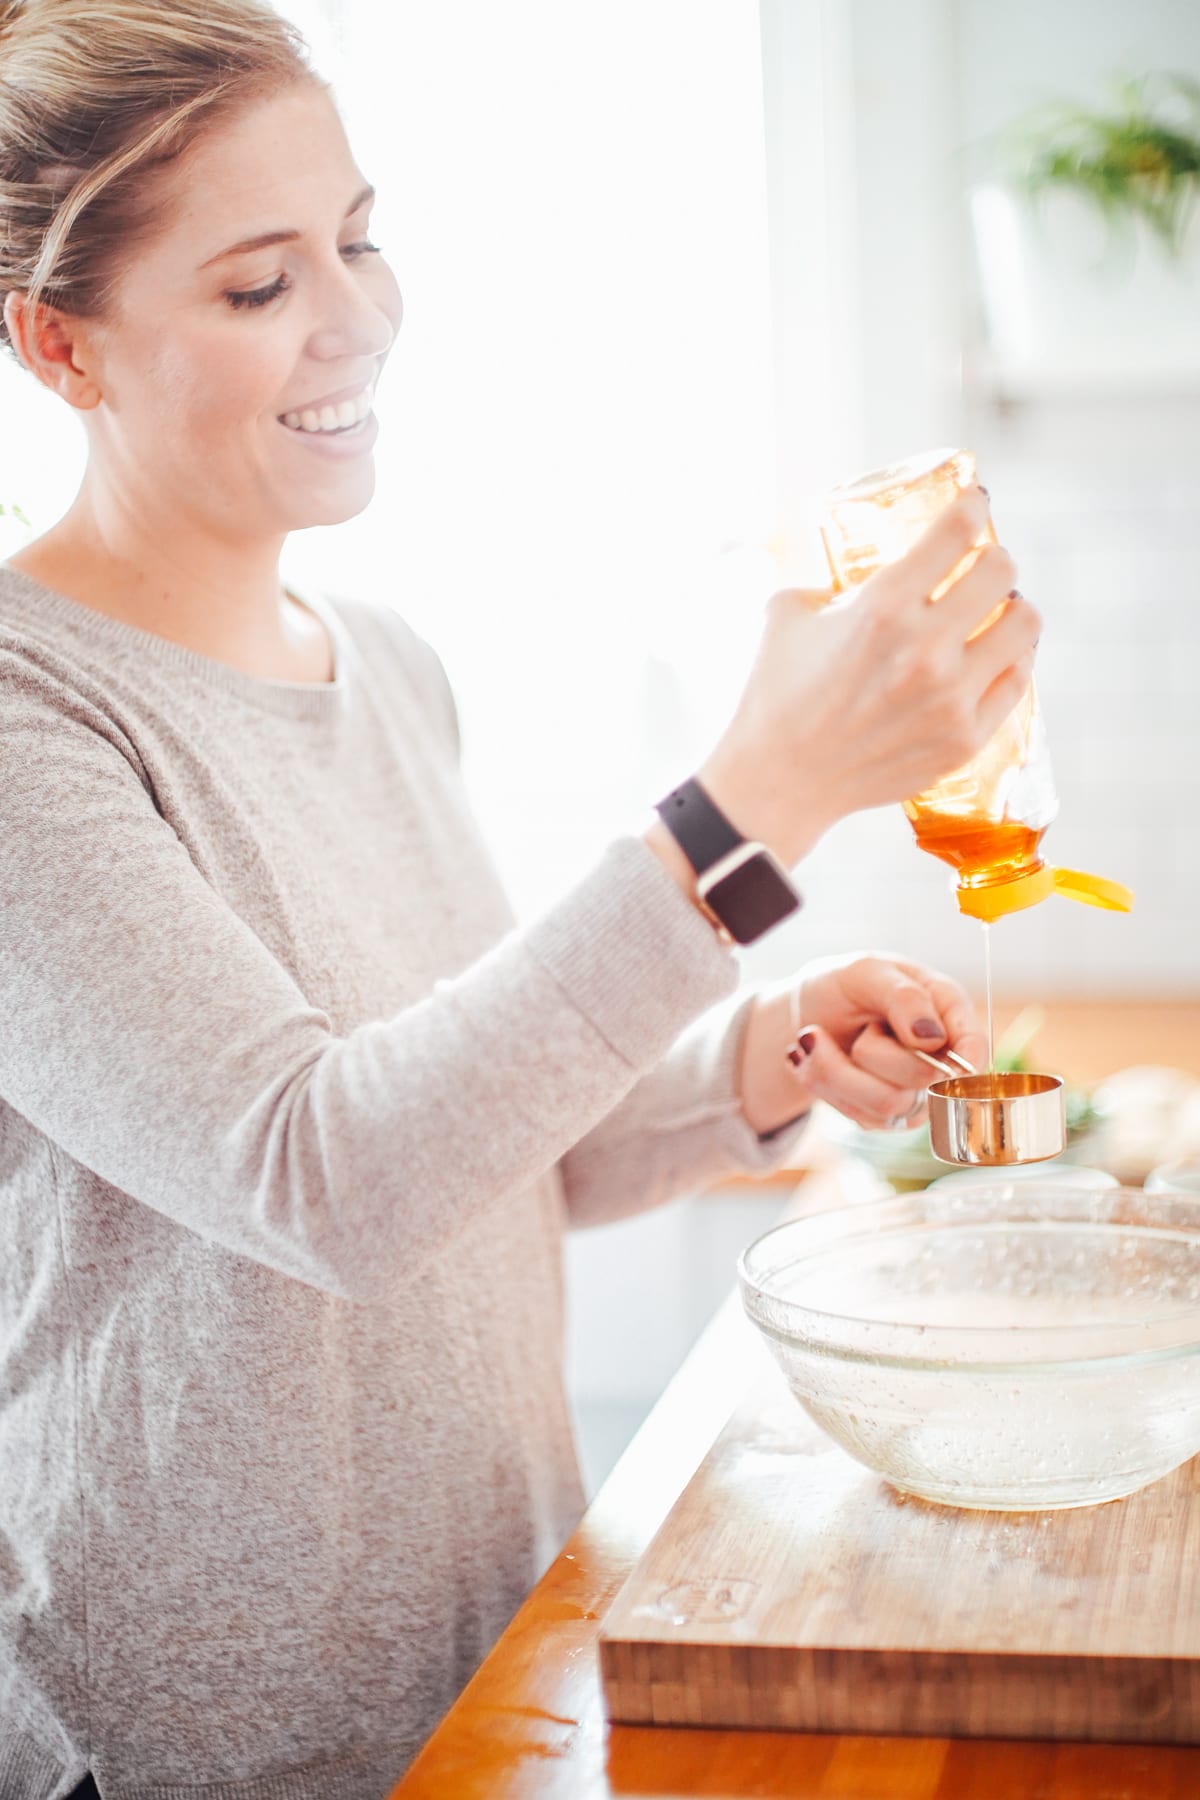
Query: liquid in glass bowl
x=1014, y=1348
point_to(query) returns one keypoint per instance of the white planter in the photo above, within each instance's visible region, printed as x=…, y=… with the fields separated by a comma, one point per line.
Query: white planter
x=1070, y=302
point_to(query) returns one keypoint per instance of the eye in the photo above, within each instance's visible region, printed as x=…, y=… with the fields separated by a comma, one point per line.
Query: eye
x=259, y=296
x=363, y=248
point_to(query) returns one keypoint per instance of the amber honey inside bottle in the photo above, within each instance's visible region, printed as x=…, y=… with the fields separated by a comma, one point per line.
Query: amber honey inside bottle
x=977, y=850
x=986, y=820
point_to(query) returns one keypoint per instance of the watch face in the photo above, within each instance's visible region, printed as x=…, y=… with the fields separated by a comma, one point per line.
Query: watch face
x=752, y=898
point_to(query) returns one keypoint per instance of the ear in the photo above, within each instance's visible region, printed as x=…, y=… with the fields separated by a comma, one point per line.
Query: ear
x=56, y=347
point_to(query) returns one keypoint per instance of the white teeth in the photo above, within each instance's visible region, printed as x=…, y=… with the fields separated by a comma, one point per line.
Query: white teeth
x=341, y=417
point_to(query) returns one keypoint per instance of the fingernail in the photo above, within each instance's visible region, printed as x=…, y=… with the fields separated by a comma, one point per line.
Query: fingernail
x=806, y=1043
x=984, y=491
x=1015, y=594
x=929, y=1028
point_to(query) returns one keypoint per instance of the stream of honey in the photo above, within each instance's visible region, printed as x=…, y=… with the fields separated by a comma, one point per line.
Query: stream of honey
x=983, y=851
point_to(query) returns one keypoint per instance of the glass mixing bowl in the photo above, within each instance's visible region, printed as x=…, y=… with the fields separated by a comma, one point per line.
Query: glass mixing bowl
x=1016, y=1348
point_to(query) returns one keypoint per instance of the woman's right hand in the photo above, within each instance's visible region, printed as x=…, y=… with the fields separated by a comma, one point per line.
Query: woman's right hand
x=873, y=700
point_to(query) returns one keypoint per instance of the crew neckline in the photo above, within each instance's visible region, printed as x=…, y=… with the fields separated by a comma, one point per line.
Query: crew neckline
x=302, y=696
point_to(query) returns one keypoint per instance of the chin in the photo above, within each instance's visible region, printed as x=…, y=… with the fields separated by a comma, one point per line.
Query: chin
x=334, y=508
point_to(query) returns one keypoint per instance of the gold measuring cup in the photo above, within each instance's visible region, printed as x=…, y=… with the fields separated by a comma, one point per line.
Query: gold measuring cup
x=989, y=1120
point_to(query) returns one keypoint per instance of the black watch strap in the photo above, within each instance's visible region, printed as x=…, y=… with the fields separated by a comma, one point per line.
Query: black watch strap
x=698, y=825
x=743, y=888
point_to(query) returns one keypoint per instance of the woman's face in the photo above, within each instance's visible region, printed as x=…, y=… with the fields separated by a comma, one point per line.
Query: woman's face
x=240, y=350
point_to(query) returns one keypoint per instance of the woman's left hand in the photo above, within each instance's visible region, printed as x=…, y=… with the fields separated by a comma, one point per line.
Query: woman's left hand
x=845, y=1034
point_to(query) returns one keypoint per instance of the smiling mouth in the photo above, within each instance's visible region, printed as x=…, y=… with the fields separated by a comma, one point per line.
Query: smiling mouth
x=348, y=415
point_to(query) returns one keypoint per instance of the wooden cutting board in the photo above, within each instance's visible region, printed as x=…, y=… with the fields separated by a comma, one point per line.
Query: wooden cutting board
x=790, y=1587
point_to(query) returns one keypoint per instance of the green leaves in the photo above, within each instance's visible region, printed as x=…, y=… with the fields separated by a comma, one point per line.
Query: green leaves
x=14, y=512
x=1140, y=160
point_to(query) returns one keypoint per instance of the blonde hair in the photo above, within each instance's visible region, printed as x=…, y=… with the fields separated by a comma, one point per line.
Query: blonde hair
x=94, y=96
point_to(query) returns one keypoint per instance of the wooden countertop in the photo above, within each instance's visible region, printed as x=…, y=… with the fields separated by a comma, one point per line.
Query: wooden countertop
x=531, y=1725
x=1085, y=1040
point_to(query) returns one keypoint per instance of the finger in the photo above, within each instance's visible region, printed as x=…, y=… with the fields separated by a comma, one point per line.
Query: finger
x=1004, y=696
x=958, y=529
x=828, y=1074
x=878, y=1052
x=981, y=593
x=883, y=988
x=964, y=1034
x=997, y=648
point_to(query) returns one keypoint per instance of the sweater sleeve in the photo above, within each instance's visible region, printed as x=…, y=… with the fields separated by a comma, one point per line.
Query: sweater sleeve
x=680, y=1128
x=149, y=1033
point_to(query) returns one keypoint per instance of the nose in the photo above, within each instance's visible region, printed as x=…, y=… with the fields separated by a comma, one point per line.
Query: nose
x=356, y=320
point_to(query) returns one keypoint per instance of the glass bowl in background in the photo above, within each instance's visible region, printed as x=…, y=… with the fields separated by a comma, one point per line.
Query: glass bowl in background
x=1016, y=1347
x=1175, y=1178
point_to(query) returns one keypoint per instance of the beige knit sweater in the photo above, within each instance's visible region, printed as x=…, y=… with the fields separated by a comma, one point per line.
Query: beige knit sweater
x=291, y=1120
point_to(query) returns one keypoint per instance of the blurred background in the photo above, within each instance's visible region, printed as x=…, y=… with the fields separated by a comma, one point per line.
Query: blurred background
x=672, y=268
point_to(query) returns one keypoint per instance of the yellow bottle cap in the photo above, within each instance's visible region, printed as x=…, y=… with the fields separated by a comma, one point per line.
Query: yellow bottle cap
x=1093, y=890
x=1004, y=897
x=994, y=902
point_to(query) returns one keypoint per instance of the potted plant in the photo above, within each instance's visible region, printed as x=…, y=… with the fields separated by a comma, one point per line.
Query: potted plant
x=1138, y=161
x=1089, y=245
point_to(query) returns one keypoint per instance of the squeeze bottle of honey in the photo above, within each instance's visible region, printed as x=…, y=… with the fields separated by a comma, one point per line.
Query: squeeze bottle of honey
x=988, y=818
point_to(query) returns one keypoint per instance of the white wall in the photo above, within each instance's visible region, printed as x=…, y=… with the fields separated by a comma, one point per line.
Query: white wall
x=640, y=1294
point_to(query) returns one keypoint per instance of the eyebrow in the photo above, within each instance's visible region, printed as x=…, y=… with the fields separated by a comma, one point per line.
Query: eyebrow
x=266, y=238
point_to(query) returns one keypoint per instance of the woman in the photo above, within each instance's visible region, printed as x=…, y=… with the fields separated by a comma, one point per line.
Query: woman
x=291, y=1117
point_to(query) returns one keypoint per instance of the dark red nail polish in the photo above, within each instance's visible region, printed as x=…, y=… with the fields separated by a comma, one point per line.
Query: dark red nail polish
x=1015, y=594
x=929, y=1028
x=804, y=1046
x=984, y=491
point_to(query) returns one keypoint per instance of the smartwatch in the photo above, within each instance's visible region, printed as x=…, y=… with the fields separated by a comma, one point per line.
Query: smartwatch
x=739, y=884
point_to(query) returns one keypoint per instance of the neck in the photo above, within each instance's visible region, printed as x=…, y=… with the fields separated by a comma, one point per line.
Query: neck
x=171, y=575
